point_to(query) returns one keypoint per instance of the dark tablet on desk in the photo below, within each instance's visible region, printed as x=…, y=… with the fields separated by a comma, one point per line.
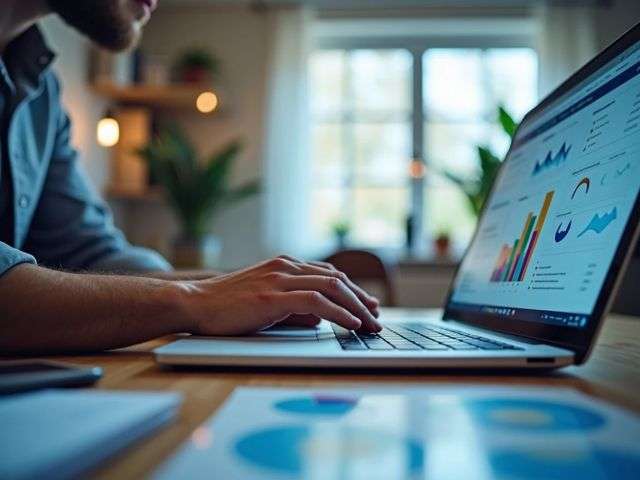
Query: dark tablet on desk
x=23, y=375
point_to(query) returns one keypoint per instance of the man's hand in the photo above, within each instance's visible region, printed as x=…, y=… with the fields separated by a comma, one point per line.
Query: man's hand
x=46, y=311
x=282, y=289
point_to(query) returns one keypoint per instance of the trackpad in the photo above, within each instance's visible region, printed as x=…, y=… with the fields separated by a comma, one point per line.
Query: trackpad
x=306, y=333
x=289, y=332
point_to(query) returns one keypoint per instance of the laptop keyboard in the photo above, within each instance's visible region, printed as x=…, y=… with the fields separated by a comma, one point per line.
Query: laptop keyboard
x=415, y=336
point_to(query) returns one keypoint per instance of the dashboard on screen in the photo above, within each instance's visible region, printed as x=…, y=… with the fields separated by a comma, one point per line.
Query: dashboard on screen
x=560, y=205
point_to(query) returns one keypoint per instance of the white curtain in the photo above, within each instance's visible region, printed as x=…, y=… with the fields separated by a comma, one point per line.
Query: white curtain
x=286, y=148
x=567, y=40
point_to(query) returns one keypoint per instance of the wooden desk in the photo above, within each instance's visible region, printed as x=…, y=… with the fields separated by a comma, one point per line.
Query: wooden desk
x=613, y=373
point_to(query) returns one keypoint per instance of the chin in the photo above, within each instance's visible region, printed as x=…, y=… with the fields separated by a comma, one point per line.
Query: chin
x=113, y=24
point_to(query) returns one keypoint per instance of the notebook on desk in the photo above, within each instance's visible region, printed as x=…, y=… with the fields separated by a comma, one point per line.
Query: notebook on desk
x=59, y=434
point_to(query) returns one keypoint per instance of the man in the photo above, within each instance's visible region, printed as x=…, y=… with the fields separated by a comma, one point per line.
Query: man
x=52, y=224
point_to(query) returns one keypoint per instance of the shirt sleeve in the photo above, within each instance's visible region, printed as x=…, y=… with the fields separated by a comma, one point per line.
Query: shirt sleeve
x=72, y=227
x=10, y=257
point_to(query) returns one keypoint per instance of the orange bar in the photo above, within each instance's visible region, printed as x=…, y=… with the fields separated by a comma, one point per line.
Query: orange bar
x=540, y=223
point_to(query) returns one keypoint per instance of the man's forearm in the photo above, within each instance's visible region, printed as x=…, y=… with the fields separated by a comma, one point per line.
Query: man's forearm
x=44, y=311
x=183, y=275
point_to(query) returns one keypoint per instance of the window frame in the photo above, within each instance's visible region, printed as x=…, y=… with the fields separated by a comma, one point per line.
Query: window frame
x=417, y=46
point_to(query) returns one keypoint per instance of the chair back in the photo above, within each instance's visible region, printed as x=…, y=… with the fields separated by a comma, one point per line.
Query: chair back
x=366, y=268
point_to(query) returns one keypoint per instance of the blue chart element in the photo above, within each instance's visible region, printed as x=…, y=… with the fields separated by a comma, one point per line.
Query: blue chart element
x=534, y=416
x=599, y=223
x=293, y=450
x=560, y=233
x=586, y=181
x=559, y=463
x=623, y=170
x=318, y=405
x=552, y=160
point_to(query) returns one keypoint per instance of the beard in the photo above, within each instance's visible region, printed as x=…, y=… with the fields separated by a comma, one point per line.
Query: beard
x=109, y=23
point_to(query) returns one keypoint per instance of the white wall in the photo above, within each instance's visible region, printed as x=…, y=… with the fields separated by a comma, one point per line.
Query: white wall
x=239, y=37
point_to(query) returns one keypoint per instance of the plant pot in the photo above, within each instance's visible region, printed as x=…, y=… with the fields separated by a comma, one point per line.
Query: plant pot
x=202, y=253
x=443, y=246
x=196, y=75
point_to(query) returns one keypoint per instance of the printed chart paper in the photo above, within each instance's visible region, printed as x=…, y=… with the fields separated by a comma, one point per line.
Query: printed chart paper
x=441, y=432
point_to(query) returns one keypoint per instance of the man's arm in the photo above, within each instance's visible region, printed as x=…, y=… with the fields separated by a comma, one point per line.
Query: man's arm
x=46, y=311
x=43, y=310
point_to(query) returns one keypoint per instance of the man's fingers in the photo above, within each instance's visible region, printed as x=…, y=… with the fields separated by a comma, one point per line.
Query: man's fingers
x=335, y=290
x=301, y=321
x=315, y=303
x=370, y=301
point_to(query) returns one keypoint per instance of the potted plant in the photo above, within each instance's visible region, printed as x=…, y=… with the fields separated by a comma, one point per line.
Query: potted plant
x=442, y=244
x=341, y=231
x=197, y=65
x=196, y=191
x=477, y=189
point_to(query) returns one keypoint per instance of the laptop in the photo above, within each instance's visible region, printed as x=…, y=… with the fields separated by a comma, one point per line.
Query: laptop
x=542, y=269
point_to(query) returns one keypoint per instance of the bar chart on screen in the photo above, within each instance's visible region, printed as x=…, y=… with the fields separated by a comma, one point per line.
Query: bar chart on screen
x=514, y=259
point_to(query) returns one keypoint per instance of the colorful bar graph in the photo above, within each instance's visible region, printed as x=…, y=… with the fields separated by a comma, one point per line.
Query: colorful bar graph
x=521, y=247
x=513, y=261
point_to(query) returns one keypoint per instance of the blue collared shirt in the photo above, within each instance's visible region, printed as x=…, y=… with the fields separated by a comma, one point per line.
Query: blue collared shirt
x=49, y=212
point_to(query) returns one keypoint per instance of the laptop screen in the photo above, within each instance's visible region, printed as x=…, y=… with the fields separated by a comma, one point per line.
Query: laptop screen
x=553, y=223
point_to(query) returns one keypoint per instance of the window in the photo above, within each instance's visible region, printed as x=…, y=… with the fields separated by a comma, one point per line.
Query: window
x=375, y=109
x=459, y=114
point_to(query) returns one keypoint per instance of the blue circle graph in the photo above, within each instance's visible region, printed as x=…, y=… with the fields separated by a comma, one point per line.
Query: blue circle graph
x=559, y=464
x=534, y=416
x=290, y=450
x=317, y=405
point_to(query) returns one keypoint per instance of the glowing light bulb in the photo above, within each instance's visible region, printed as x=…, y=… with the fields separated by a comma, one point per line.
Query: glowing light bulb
x=207, y=102
x=108, y=132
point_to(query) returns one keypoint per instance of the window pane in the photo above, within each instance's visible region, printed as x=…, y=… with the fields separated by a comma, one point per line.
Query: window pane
x=381, y=80
x=329, y=168
x=328, y=209
x=453, y=84
x=382, y=153
x=447, y=211
x=379, y=216
x=327, y=69
x=452, y=147
x=513, y=78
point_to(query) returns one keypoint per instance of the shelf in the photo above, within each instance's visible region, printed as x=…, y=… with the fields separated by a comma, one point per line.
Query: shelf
x=175, y=96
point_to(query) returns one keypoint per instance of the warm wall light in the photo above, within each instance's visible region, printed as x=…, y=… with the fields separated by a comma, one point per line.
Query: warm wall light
x=207, y=102
x=108, y=131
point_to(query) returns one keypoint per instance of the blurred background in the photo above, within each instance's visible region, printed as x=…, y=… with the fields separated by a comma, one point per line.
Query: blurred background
x=240, y=130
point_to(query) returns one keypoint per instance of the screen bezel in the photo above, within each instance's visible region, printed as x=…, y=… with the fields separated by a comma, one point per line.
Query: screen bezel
x=579, y=340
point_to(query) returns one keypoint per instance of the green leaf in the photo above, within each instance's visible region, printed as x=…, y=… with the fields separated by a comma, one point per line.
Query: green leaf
x=244, y=191
x=193, y=190
x=507, y=122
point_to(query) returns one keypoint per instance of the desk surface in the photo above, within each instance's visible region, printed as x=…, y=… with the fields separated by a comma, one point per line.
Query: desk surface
x=612, y=373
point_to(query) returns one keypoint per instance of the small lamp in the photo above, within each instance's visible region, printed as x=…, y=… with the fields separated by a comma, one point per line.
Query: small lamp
x=207, y=102
x=108, y=130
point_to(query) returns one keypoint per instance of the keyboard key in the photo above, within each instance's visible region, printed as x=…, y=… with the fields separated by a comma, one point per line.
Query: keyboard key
x=408, y=347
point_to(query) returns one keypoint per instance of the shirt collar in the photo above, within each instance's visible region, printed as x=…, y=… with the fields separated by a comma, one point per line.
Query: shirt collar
x=27, y=57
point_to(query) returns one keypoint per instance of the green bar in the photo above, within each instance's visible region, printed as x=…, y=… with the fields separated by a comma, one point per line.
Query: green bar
x=508, y=269
x=520, y=264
